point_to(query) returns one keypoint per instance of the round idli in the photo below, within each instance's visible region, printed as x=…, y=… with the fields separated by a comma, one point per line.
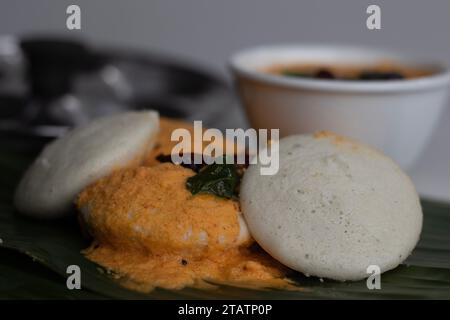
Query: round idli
x=334, y=208
x=83, y=155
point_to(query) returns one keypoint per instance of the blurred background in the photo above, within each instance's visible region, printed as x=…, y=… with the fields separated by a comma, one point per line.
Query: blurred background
x=181, y=49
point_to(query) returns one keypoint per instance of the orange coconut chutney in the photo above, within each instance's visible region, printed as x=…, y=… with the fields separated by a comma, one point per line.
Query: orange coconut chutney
x=150, y=231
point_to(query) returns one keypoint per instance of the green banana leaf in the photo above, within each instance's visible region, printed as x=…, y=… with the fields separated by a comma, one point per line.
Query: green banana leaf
x=49, y=247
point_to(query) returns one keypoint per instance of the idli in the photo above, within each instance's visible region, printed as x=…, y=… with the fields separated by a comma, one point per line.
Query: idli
x=334, y=208
x=67, y=165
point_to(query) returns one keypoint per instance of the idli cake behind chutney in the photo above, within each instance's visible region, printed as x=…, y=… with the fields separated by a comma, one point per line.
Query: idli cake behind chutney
x=83, y=155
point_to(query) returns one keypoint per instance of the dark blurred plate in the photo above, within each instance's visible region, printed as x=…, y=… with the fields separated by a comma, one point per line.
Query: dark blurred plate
x=48, y=85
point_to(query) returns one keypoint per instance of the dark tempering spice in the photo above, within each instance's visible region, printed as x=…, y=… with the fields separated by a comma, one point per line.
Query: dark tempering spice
x=365, y=75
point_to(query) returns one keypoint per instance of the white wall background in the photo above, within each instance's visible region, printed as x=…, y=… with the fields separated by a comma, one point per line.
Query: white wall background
x=208, y=31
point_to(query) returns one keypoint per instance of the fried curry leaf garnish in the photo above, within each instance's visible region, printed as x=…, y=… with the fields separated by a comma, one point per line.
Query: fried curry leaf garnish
x=217, y=179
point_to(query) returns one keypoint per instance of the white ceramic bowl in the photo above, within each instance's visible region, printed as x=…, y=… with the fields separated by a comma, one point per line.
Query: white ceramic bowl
x=396, y=116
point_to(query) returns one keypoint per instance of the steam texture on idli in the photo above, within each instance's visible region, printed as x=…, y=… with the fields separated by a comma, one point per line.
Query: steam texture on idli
x=334, y=208
x=83, y=155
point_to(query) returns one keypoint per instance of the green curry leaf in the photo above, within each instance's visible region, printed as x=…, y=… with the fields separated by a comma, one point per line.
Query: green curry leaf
x=217, y=179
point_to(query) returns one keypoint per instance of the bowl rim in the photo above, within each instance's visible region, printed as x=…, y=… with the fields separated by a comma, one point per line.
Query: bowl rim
x=435, y=80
